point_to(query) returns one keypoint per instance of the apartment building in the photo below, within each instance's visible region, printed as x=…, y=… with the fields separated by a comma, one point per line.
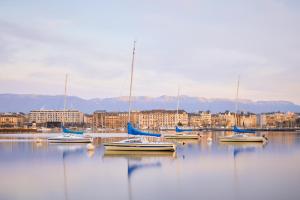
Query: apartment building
x=46, y=116
x=113, y=120
x=12, y=120
x=152, y=119
x=279, y=119
x=201, y=119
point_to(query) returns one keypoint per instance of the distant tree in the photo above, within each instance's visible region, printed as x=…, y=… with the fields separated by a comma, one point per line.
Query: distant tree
x=179, y=124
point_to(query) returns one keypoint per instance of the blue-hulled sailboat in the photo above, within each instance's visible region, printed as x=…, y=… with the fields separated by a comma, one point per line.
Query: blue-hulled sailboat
x=139, y=143
x=69, y=136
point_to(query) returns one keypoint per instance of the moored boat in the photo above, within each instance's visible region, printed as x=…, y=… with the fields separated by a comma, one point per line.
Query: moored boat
x=138, y=143
x=69, y=136
x=242, y=137
x=182, y=136
x=70, y=139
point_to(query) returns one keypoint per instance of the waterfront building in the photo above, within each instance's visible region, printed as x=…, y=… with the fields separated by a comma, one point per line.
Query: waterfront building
x=88, y=120
x=195, y=120
x=261, y=121
x=280, y=120
x=154, y=119
x=201, y=119
x=150, y=119
x=42, y=117
x=226, y=119
x=248, y=120
x=12, y=120
x=113, y=120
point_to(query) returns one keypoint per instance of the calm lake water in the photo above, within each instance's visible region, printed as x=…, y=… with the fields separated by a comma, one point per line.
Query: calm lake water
x=34, y=169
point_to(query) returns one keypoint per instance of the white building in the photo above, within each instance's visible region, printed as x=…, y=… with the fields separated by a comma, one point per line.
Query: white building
x=44, y=116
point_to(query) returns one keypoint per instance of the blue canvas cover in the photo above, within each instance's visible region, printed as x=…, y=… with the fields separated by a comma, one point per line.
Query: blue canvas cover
x=133, y=131
x=237, y=130
x=178, y=130
x=65, y=130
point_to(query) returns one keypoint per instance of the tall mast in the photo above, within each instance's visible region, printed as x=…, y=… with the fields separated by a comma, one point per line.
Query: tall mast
x=236, y=100
x=177, y=116
x=131, y=77
x=65, y=99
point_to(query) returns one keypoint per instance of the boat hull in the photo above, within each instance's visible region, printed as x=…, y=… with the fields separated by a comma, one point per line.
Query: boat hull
x=70, y=140
x=174, y=136
x=139, y=147
x=139, y=154
x=242, y=139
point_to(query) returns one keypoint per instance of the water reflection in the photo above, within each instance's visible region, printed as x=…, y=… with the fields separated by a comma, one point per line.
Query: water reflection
x=133, y=167
x=31, y=168
x=139, y=154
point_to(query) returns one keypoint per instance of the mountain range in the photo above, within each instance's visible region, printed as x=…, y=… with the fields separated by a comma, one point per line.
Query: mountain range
x=27, y=102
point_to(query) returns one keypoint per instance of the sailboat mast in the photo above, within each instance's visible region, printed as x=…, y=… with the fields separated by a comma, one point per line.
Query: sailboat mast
x=131, y=77
x=177, y=116
x=65, y=99
x=236, y=100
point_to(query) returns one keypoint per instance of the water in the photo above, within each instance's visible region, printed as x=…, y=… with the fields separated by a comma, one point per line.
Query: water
x=34, y=169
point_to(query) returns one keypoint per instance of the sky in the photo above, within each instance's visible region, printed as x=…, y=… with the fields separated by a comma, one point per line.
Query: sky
x=200, y=46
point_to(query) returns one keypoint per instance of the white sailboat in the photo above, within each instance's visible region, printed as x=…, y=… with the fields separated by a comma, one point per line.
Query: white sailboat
x=241, y=135
x=180, y=132
x=69, y=136
x=138, y=143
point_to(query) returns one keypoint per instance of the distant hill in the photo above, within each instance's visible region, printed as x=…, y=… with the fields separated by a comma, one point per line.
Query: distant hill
x=27, y=102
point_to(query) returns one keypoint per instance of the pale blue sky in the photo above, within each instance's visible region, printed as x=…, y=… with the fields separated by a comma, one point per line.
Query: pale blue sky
x=200, y=45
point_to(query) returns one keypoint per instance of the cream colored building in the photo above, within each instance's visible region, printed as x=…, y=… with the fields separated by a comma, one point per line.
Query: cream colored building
x=44, y=116
x=12, y=120
x=202, y=119
x=113, y=120
x=247, y=121
x=279, y=119
x=154, y=119
x=226, y=119
x=88, y=120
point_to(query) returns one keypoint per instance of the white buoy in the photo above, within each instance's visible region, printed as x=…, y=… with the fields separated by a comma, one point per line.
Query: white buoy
x=90, y=147
x=209, y=139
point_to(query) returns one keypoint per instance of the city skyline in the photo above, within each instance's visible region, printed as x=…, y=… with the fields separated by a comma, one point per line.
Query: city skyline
x=204, y=50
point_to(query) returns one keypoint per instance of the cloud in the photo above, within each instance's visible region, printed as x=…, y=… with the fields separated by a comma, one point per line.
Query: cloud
x=201, y=45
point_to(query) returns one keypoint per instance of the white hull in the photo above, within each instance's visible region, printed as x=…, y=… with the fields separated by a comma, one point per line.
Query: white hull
x=242, y=139
x=181, y=136
x=112, y=153
x=70, y=139
x=151, y=146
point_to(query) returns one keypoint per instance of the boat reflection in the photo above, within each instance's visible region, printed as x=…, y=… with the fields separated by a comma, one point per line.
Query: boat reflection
x=139, y=161
x=139, y=154
x=238, y=150
x=133, y=166
x=69, y=150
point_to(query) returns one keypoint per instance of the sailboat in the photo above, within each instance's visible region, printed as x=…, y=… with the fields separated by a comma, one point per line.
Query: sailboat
x=69, y=136
x=138, y=143
x=241, y=135
x=180, y=132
